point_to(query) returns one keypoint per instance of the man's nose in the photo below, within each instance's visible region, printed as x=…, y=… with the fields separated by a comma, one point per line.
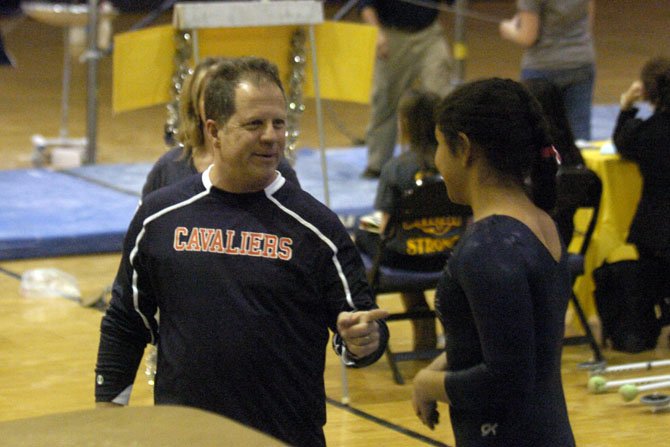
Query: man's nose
x=272, y=133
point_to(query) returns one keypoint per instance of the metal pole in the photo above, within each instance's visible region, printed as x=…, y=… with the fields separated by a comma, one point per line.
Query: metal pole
x=319, y=117
x=67, y=75
x=460, y=47
x=92, y=56
x=196, y=47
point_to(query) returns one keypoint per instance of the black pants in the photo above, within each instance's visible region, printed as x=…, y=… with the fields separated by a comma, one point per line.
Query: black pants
x=655, y=283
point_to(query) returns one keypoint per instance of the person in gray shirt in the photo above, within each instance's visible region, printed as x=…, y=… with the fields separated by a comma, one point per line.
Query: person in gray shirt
x=558, y=41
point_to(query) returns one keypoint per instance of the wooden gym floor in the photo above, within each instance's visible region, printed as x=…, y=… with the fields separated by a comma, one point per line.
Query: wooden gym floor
x=48, y=346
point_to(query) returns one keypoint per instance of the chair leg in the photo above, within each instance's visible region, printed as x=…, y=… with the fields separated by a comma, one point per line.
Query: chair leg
x=397, y=376
x=423, y=329
x=589, y=338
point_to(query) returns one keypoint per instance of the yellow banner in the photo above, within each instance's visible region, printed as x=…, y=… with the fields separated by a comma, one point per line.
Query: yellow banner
x=143, y=64
x=144, y=60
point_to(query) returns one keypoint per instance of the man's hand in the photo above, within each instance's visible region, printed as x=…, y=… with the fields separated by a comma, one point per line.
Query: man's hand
x=360, y=330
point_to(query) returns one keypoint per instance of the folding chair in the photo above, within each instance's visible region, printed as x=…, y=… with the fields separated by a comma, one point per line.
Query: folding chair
x=427, y=202
x=580, y=187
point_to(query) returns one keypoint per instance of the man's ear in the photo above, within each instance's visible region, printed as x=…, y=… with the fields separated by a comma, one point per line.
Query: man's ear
x=212, y=130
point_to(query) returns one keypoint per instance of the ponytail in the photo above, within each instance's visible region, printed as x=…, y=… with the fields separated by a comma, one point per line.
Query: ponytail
x=543, y=177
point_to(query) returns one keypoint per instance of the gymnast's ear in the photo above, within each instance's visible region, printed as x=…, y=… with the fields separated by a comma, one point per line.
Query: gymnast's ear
x=464, y=146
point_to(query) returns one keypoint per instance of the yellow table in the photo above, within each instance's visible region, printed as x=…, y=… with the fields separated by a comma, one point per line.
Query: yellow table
x=622, y=185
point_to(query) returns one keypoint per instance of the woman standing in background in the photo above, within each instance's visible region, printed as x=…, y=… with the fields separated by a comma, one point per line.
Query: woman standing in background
x=557, y=36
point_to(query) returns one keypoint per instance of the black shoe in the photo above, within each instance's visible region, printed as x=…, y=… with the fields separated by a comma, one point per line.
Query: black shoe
x=371, y=173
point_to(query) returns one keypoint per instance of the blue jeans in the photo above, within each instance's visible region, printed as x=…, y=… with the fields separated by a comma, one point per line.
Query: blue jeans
x=576, y=85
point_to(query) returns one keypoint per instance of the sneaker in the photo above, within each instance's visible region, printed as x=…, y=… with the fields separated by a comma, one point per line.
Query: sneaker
x=371, y=173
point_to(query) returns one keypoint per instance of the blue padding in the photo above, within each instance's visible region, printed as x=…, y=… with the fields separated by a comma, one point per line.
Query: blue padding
x=88, y=209
x=350, y=195
x=603, y=119
x=127, y=177
x=47, y=213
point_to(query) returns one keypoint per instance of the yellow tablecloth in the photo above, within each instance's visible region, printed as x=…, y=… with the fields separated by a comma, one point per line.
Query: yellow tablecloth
x=622, y=185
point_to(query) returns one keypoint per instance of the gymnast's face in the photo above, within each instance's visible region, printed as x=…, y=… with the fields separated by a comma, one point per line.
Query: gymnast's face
x=247, y=147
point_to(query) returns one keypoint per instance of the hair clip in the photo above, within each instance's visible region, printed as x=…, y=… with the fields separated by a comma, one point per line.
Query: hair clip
x=550, y=152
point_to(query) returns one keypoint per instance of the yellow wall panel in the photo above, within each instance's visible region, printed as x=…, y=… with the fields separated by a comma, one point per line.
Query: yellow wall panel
x=144, y=60
x=142, y=68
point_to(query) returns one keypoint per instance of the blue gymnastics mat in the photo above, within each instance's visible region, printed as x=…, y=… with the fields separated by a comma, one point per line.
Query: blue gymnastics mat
x=48, y=213
x=87, y=210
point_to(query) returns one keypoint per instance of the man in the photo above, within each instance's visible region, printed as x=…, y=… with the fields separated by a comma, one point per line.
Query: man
x=411, y=49
x=248, y=272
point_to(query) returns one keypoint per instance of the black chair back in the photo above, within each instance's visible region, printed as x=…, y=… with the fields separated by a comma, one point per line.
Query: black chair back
x=578, y=187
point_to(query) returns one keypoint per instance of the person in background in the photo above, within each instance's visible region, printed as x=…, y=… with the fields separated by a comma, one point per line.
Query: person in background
x=9, y=9
x=249, y=273
x=411, y=49
x=549, y=97
x=194, y=153
x=557, y=36
x=504, y=293
x=416, y=126
x=647, y=143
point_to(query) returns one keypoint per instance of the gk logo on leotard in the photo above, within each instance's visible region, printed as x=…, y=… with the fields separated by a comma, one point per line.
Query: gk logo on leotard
x=489, y=429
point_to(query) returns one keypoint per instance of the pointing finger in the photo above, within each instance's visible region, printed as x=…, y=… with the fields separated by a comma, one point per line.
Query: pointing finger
x=373, y=315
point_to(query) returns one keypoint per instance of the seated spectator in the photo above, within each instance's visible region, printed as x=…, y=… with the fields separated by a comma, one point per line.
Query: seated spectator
x=647, y=143
x=417, y=136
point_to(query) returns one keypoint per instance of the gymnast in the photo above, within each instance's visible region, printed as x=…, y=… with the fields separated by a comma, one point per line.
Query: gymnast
x=504, y=293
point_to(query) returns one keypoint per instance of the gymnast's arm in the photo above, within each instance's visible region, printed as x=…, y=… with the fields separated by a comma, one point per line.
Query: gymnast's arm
x=495, y=281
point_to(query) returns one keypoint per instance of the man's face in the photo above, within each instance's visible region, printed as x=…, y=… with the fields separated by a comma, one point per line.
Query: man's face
x=247, y=148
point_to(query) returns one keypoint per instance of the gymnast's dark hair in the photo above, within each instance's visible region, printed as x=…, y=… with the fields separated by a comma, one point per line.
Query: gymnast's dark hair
x=220, y=90
x=504, y=120
x=656, y=80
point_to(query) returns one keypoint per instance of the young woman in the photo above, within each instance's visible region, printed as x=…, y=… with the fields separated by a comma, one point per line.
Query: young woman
x=503, y=296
